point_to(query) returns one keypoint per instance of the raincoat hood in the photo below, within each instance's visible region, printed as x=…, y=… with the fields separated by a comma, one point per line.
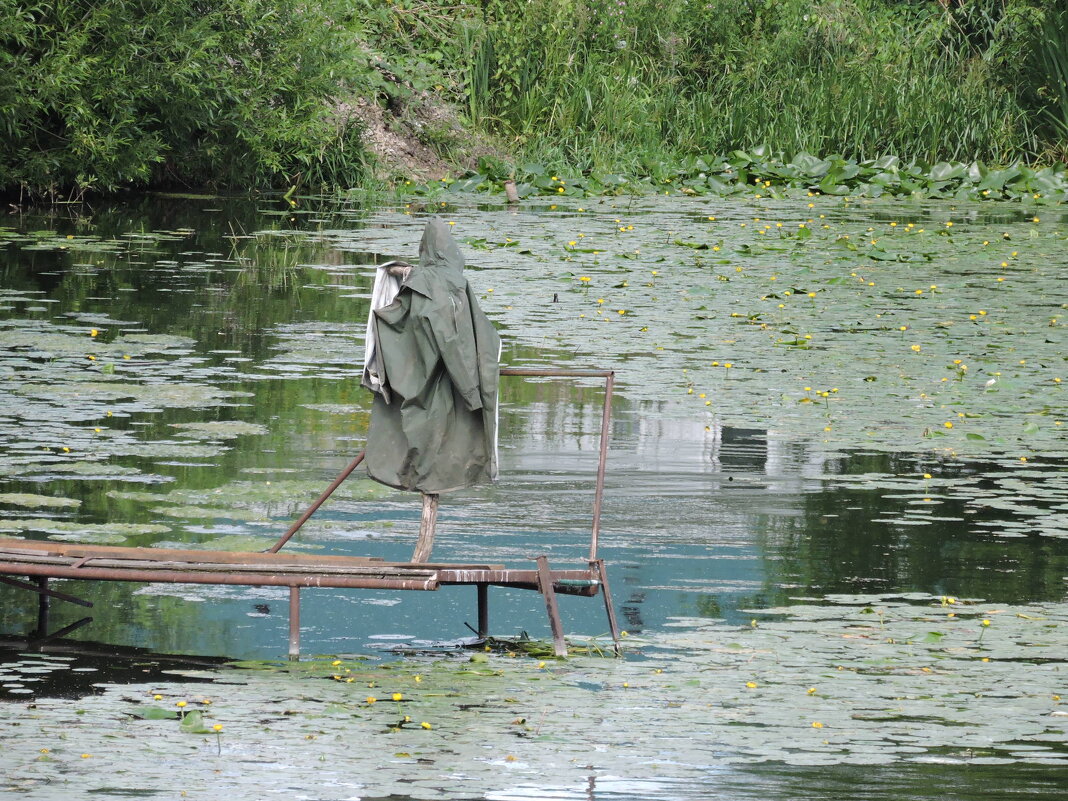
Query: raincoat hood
x=439, y=259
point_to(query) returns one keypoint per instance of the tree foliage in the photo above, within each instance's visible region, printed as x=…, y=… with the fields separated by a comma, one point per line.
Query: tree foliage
x=101, y=94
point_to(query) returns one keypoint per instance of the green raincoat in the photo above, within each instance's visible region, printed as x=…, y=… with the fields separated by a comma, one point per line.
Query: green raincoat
x=434, y=419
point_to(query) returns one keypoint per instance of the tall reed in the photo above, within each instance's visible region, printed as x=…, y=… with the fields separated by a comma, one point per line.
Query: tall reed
x=1052, y=57
x=593, y=81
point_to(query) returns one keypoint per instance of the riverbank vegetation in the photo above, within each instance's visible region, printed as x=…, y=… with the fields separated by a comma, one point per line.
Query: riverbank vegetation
x=259, y=93
x=862, y=78
x=107, y=94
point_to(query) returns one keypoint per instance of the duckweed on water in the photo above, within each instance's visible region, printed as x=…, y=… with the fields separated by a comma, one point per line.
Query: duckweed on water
x=866, y=680
x=237, y=542
x=221, y=430
x=819, y=307
x=795, y=321
x=206, y=512
x=62, y=469
x=851, y=322
x=261, y=497
x=31, y=501
x=100, y=533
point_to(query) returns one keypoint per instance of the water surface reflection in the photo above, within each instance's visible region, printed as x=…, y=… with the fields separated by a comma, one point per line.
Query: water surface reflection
x=239, y=400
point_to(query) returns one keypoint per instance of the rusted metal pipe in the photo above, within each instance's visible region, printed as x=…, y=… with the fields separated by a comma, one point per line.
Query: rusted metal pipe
x=613, y=626
x=602, y=463
x=449, y=576
x=294, y=623
x=293, y=529
x=545, y=584
x=40, y=552
x=245, y=579
x=551, y=372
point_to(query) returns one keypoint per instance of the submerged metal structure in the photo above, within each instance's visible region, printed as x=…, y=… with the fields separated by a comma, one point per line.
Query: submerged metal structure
x=41, y=561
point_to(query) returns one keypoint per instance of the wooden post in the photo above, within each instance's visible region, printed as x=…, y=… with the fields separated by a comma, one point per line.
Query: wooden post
x=427, y=523
x=545, y=584
x=294, y=623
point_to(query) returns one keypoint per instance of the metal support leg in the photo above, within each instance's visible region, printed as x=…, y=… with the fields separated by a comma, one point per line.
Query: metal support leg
x=613, y=627
x=42, y=606
x=42, y=589
x=545, y=584
x=294, y=623
x=44, y=638
x=293, y=529
x=483, y=610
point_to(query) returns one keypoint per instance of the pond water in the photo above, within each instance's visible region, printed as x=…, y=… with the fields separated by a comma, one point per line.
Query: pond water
x=838, y=448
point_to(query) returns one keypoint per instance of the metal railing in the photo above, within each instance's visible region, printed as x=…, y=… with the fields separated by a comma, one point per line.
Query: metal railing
x=531, y=372
x=609, y=377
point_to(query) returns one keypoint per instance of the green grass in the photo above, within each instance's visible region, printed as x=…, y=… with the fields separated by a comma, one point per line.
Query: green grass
x=862, y=78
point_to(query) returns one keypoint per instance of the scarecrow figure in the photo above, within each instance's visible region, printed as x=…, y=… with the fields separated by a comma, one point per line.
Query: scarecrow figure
x=431, y=360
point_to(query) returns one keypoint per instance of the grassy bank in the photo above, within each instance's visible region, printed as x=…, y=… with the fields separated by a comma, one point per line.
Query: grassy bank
x=258, y=93
x=602, y=83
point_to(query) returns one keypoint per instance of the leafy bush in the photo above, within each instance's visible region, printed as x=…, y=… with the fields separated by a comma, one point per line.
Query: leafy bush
x=764, y=173
x=102, y=94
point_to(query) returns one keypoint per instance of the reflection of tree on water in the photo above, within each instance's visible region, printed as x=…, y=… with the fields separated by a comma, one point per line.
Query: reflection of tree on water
x=914, y=780
x=720, y=487
x=762, y=780
x=66, y=669
x=632, y=613
x=861, y=540
x=174, y=618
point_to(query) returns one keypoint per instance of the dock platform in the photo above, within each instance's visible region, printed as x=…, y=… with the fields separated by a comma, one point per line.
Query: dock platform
x=41, y=561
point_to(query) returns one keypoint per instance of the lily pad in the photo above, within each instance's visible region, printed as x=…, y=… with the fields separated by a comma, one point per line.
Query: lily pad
x=222, y=430
x=75, y=532
x=31, y=501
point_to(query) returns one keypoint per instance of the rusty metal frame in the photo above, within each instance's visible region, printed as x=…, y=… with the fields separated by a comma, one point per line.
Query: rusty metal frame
x=609, y=377
x=43, y=561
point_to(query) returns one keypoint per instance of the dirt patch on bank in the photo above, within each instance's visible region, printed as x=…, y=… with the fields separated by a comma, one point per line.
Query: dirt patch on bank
x=420, y=137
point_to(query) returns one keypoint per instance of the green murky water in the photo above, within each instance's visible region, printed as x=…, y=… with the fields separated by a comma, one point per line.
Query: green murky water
x=832, y=418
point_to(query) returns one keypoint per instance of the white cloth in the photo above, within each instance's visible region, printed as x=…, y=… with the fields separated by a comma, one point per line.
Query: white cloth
x=385, y=291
